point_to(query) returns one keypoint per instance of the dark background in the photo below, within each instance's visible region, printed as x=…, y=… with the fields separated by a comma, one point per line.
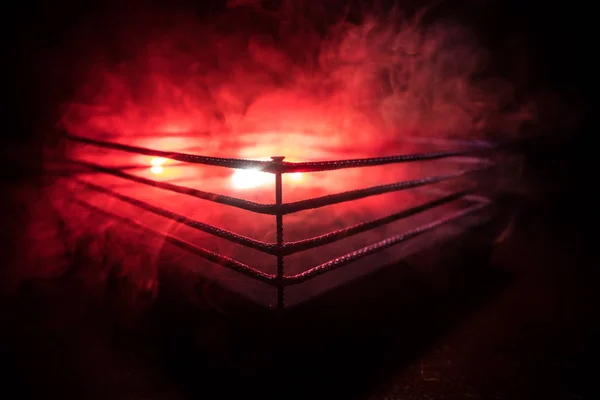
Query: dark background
x=527, y=337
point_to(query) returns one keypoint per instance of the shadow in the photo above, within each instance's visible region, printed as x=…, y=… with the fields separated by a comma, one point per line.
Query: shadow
x=340, y=345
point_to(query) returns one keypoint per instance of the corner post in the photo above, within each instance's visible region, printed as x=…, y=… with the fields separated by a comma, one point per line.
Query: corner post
x=279, y=222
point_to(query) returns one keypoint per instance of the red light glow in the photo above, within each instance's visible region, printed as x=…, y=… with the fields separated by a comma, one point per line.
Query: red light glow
x=283, y=87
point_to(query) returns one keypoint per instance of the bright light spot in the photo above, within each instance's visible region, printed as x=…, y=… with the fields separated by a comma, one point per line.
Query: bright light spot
x=157, y=163
x=250, y=178
x=296, y=176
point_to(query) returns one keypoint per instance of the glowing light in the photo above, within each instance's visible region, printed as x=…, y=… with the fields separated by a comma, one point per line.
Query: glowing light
x=296, y=176
x=250, y=178
x=157, y=163
x=253, y=178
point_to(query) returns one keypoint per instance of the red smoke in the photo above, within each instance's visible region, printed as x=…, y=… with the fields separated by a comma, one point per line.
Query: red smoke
x=308, y=82
x=366, y=80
